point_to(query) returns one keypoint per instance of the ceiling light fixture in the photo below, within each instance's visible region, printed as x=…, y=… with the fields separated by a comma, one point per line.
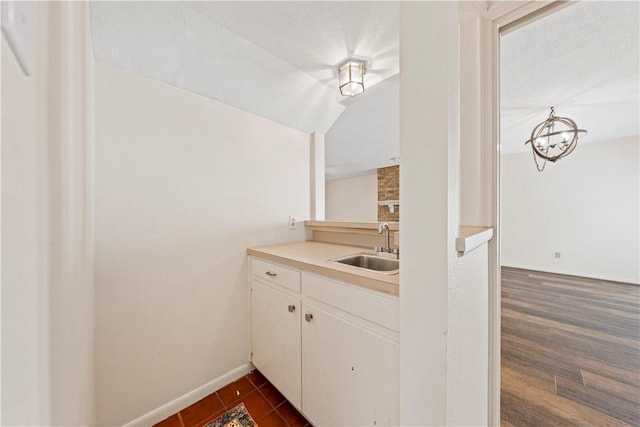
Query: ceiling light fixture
x=351, y=76
x=554, y=139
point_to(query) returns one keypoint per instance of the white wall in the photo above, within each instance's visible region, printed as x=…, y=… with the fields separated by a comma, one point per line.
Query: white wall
x=184, y=185
x=424, y=267
x=467, y=340
x=586, y=206
x=444, y=316
x=317, y=180
x=47, y=287
x=25, y=352
x=354, y=198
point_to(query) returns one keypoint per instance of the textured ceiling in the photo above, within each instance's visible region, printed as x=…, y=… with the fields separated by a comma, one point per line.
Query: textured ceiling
x=279, y=60
x=275, y=59
x=317, y=37
x=584, y=60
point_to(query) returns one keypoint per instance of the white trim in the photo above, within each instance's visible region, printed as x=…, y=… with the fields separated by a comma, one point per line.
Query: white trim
x=170, y=408
x=502, y=14
x=470, y=238
x=492, y=149
x=69, y=172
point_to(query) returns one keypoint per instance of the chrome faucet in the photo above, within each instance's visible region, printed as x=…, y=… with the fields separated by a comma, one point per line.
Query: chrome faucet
x=386, y=251
x=385, y=227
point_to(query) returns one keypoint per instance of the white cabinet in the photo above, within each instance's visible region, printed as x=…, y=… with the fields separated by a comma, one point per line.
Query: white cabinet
x=350, y=374
x=332, y=349
x=275, y=338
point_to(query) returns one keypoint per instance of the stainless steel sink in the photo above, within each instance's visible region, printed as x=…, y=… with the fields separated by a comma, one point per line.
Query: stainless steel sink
x=370, y=262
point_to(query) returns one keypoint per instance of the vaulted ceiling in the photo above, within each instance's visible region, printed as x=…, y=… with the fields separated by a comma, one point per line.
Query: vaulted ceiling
x=279, y=60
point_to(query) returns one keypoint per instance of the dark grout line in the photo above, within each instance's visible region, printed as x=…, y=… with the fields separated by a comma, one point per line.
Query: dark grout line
x=226, y=408
x=219, y=400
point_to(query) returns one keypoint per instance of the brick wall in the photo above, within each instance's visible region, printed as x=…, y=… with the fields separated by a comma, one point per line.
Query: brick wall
x=389, y=189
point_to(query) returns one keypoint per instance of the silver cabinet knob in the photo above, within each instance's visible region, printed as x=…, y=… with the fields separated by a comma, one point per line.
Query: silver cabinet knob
x=308, y=317
x=291, y=308
x=270, y=273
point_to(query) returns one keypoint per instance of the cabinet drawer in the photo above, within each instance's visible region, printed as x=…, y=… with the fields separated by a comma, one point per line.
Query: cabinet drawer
x=275, y=273
x=370, y=305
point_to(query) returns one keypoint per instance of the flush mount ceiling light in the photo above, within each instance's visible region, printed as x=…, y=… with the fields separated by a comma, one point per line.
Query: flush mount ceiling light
x=351, y=76
x=554, y=139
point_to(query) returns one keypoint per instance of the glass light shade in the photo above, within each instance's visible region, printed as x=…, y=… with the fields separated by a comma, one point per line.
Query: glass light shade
x=351, y=77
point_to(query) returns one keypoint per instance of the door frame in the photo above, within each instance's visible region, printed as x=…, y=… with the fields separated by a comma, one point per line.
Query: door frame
x=499, y=19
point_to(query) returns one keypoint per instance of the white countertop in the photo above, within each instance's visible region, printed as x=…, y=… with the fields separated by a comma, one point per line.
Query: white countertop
x=314, y=257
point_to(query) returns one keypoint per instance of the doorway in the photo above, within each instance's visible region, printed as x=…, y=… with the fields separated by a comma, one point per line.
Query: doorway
x=568, y=232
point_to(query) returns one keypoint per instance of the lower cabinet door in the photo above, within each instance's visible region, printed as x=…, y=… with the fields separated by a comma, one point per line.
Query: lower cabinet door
x=350, y=374
x=275, y=339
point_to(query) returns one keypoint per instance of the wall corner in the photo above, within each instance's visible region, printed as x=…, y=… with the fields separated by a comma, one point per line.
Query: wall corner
x=317, y=193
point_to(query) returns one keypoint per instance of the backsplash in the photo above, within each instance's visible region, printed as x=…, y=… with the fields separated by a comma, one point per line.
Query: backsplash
x=357, y=233
x=389, y=189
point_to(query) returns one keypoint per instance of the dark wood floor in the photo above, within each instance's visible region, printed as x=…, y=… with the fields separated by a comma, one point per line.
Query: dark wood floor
x=570, y=351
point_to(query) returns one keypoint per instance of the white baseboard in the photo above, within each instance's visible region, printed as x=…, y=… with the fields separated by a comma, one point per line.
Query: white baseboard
x=573, y=273
x=193, y=396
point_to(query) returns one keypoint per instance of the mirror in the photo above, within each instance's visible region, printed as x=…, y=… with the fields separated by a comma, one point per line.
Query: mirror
x=363, y=143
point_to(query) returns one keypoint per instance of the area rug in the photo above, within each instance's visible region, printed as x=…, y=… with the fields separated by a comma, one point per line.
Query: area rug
x=236, y=417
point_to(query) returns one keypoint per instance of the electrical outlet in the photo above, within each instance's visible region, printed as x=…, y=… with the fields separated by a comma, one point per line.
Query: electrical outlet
x=557, y=255
x=292, y=223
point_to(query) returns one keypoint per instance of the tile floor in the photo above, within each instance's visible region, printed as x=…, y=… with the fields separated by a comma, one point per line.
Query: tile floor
x=265, y=404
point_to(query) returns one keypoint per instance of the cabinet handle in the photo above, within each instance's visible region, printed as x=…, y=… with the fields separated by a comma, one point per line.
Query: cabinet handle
x=308, y=317
x=292, y=308
x=270, y=273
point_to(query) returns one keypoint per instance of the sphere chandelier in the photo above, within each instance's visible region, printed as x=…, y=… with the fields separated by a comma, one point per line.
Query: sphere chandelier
x=554, y=139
